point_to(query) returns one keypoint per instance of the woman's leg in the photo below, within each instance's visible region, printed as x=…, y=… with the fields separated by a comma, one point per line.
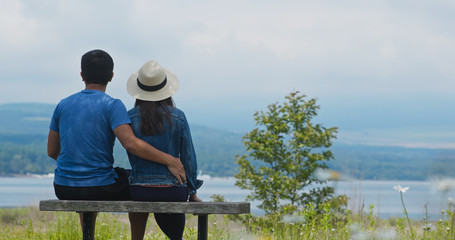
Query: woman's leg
x=171, y=224
x=138, y=222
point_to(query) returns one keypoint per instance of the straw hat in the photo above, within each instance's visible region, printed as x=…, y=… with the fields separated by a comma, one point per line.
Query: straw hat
x=152, y=82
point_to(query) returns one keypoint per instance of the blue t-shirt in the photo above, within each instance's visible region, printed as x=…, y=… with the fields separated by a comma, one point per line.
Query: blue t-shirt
x=85, y=122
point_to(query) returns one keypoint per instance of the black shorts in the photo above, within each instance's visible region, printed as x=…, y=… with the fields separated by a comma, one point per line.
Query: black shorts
x=159, y=194
x=119, y=190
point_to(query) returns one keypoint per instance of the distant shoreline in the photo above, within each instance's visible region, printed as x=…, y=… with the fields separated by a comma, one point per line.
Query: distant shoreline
x=49, y=175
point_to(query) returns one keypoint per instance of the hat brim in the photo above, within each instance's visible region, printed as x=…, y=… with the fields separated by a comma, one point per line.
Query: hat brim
x=171, y=87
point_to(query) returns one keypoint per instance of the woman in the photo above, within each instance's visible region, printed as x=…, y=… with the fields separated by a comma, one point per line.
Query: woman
x=157, y=121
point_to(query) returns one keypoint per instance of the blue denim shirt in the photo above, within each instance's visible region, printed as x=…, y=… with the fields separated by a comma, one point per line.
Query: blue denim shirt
x=175, y=140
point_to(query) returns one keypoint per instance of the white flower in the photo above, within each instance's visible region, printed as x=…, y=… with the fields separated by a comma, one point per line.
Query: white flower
x=428, y=227
x=445, y=184
x=401, y=189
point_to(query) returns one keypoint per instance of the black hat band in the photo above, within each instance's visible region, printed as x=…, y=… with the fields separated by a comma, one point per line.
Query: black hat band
x=152, y=88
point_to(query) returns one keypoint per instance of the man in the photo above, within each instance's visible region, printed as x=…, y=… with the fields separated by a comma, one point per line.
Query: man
x=82, y=135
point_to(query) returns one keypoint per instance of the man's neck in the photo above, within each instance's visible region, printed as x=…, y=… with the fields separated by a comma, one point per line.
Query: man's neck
x=94, y=86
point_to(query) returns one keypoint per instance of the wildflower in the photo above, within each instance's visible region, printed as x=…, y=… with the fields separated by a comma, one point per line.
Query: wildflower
x=450, y=200
x=401, y=189
x=428, y=227
x=444, y=185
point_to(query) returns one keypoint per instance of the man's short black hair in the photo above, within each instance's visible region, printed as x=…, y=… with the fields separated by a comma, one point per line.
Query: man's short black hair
x=97, y=67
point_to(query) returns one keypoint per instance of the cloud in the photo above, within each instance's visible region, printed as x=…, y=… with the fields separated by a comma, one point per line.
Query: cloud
x=355, y=46
x=236, y=48
x=18, y=31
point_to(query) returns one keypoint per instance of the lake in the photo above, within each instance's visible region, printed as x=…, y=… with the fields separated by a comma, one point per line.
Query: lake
x=26, y=191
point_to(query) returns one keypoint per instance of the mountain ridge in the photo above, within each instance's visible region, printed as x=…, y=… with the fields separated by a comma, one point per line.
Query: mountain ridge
x=24, y=128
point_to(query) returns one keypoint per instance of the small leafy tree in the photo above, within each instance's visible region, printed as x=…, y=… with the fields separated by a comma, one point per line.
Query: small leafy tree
x=283, y=155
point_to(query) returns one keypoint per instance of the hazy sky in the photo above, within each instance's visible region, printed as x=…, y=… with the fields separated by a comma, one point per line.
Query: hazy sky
x=234, y=57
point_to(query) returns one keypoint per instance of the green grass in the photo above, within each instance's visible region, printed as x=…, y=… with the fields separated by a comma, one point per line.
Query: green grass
x=310, y=223
x=30, y=223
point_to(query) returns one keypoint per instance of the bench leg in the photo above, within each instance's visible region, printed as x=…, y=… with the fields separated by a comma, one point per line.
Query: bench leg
x=88, y=225
x=202, y=227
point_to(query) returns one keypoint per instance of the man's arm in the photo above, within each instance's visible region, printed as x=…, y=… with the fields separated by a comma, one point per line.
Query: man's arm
x=53, y=144
x=144, y=150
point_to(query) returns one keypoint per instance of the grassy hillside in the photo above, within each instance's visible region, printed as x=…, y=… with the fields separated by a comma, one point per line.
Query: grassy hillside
x=25, y=118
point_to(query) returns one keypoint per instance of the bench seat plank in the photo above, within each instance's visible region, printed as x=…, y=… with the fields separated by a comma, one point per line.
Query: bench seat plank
x=150, y=207
x=202, y=209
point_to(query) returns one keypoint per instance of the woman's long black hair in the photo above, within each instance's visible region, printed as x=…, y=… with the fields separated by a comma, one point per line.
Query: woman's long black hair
x=153, y=115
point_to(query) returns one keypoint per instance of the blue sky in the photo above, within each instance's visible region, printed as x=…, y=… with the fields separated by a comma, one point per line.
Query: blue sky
x=377, y=67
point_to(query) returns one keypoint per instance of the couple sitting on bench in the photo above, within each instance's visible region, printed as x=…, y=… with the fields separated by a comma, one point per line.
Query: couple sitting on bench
x=155, y=134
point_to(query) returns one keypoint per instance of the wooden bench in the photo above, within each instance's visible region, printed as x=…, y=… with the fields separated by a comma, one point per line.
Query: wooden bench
x=202, y=209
